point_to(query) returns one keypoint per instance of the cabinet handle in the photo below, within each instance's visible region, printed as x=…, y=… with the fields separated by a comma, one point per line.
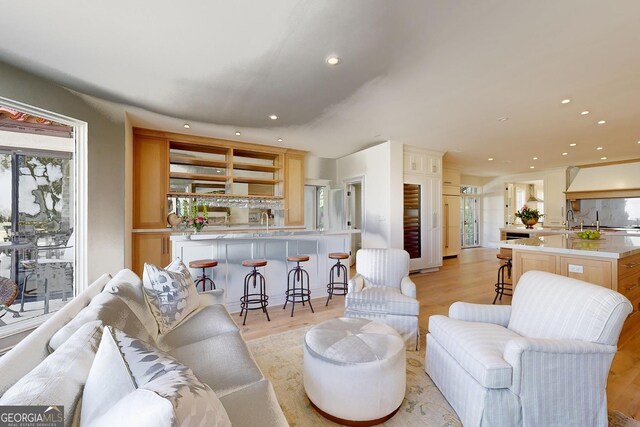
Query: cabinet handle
x=447, y=225
x=630, y=265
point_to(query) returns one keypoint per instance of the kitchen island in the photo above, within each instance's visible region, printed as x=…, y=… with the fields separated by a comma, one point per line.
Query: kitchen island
x=230, y=248
x=613, y=261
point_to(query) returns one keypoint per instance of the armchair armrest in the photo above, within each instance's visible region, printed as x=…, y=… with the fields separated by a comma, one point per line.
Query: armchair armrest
x=215, y=296
x=547, y=367
x=356, y=283
x=485, y=313
x=407, y=287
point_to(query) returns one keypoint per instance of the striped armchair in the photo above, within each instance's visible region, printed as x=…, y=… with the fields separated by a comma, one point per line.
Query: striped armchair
x=543, y=361
x=382, y=290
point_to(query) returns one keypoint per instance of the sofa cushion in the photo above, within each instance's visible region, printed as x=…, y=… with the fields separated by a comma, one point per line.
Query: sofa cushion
x=127, y=286
x=477, y=347
x=223, y=361
x=265, y=410
x=109, y=309
x=109, y=379
x=170, y=292
x=202, y=324
x=547, y=305
x=59, y=379
x=168, y=391
x=382, y=300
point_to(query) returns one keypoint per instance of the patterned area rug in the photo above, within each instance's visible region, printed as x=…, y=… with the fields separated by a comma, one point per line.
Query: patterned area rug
x=280, y=358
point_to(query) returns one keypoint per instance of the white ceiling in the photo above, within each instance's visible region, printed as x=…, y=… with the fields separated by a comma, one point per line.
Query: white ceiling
x=431, y=73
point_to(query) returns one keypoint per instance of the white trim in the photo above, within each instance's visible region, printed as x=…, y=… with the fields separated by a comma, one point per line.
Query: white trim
x=81, y=132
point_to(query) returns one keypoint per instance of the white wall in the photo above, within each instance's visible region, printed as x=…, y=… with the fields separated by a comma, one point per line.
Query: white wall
x=319, y=168
x=105, y=249
x=381, y=169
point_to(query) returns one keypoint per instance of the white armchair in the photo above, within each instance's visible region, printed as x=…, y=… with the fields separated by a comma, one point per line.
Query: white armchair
x=543, y=361
x=382, y=290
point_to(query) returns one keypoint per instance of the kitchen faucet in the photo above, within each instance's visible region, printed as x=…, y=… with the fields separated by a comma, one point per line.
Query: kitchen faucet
x=569, y=220
x=264, y=216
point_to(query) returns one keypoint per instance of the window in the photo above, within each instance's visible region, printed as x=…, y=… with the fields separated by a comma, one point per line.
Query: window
x=37, y=246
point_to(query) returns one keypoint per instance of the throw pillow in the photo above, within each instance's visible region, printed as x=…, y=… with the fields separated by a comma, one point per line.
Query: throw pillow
x=59, y=379
x=110, y=310
x=168, y=391
x=171, y=294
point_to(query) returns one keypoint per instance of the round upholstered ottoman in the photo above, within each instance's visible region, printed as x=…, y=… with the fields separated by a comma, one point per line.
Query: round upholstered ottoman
x=354, y=370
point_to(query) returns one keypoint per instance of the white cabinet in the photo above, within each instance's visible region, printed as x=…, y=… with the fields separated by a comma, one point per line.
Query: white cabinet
x=423, y=163
x=554, y=198
x=424, y=168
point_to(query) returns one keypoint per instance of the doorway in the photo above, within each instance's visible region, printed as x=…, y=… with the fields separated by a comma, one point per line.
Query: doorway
x=469, y=217
x=355, y=219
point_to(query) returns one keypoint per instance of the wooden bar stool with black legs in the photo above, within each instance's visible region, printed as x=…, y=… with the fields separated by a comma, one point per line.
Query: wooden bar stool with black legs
x=337, y=276
x=297, y=284
x=501, y=285
x=204, y=279
x=258, y=299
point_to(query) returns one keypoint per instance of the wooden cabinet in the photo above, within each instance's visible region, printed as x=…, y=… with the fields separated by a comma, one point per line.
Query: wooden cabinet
x=150, y=182
x=588, y=270
x=294, y=188
x=153, y=248
x=451, y=226
x=525, y=261
x=554, y=198
x=422, y=162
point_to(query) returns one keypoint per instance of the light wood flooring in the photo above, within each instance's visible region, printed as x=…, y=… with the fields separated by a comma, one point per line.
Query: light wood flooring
x=470, y=278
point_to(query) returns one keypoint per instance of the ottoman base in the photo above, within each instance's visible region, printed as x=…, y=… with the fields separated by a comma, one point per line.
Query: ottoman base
x=353, y=423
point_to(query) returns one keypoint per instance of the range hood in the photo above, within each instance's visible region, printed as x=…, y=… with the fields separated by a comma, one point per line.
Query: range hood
x=532, y=195
x=605, y=182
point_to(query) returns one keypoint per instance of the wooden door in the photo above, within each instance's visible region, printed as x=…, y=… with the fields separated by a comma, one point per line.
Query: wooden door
x=451, y=226
x=294, y=189
x=593, y=271
x=527, y=261
x=152, y=248
x=150, y=182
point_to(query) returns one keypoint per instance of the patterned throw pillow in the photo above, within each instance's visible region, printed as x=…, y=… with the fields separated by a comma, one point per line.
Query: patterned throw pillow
x=171, y=293
x=169, y=392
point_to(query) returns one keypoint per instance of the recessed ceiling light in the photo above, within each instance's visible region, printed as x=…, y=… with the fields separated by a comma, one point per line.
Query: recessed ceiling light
x=490, y=159
x=603, y=158
x=585, y=112
x=599, y=148
x=601, y=122
x=638, y=142
x=503, y=119
x=535, y=158
x=333, y=60
x=573, y=144
x=565, y=101
x=532, y=167
x=273, y=117
x=279, y=139
x=186, y=126
x=564, y=154
x=237, y=133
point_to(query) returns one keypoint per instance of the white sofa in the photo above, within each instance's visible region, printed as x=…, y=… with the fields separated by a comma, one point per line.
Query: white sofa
x=382, y=290
x=542, y=361
x=207, y=341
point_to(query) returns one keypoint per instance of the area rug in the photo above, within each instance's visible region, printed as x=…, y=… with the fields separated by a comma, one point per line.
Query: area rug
x=280, y=359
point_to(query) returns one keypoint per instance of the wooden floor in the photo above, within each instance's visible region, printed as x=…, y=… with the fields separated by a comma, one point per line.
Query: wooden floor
x=470, y=278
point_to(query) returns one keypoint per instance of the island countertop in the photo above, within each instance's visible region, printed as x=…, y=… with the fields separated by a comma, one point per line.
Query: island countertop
x=610, y=245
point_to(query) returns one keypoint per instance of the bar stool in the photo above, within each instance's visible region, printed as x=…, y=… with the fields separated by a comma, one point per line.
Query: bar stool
x=337, y=285
x=501, y=285
x=297, y=284
x=204, y=279
x=258, y=300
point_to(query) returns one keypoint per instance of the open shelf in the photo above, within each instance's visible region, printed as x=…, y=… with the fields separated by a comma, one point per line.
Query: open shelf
x=256, y=167
x=194, y=161
x=246, y=180
x=198, y=176
x=204, y=195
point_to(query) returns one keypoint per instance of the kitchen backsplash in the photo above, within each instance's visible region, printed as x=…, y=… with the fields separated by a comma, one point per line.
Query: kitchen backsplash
x=612, y=212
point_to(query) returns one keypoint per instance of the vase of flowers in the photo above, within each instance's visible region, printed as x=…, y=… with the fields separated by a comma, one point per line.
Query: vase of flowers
x=528, y=216
x=195, y=218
